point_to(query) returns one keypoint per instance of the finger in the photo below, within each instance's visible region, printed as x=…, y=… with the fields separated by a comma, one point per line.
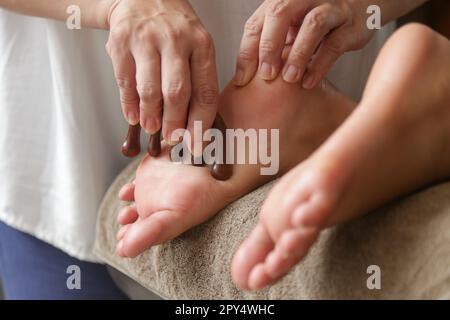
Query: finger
x=330, y=50
x=316, y=25
x=176, y=89
x=292, y=35
x=124, y=72
x=148, y=79
x=127, y=215
x=285, y=53
x=155, y=229
x=126, y=193
x=247, y=60
x=252, y=251
x=204, y=102
x=273, y=38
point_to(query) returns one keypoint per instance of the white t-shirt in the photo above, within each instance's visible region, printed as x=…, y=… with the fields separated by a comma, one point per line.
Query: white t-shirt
x=61, y=127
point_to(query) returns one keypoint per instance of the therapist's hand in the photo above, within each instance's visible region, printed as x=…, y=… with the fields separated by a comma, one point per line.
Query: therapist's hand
x=319, y=31
x=164, y=64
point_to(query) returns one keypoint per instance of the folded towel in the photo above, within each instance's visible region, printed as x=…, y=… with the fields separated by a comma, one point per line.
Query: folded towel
x=409, y=241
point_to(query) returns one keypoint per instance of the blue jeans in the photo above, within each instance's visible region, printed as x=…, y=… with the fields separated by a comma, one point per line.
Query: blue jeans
x=32, y=269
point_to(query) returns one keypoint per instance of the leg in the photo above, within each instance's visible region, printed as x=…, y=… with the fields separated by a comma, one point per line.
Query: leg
x=395, y=142
x=32, y=269
x=171, y=198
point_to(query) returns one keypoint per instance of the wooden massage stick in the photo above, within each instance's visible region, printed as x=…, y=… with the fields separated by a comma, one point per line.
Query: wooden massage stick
x=132, y=147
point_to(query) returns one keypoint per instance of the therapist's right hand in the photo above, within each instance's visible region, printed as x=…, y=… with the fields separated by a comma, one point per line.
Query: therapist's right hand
x=164, y=64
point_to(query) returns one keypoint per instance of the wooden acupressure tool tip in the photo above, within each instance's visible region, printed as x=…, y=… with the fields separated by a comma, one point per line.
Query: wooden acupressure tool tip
x=221, y=171
x=132, y=145
x=154, y=144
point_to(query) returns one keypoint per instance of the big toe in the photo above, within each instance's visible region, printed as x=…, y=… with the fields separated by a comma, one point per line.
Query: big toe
x=155, y=229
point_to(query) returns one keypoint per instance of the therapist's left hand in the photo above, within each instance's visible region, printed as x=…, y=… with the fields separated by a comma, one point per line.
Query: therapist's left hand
x=318, y=32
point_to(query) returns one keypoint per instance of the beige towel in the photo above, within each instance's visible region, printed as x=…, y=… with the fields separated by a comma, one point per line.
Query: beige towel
x=409, y=240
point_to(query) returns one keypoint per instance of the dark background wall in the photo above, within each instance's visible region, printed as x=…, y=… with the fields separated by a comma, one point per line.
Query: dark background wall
x=435, y=13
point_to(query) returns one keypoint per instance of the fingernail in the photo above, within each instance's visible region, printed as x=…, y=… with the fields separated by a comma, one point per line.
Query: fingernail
x=291, y=74
x=133, y=118
x=267, y=71
x=238, y=79
x=168, y=137
x=152, y=126
x=308, y=82
x=144, y=124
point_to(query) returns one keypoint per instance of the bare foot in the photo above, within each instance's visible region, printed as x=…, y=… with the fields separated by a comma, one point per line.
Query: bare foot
x=172, y=198
x=395, y=142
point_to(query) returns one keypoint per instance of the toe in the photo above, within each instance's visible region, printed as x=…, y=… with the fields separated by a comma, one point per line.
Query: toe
x=313, y=212
x=274, y=264
x=251, y=252
x=155, y=229
x=122, y=232
x=119, y=249
x=127, y=215
x=258, y=277
x=292, y=246
x=296, y=242
x=126, y=193
x=283, y=199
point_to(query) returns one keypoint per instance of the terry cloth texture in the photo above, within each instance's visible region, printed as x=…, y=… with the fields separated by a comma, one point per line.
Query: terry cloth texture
x=409, y=241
